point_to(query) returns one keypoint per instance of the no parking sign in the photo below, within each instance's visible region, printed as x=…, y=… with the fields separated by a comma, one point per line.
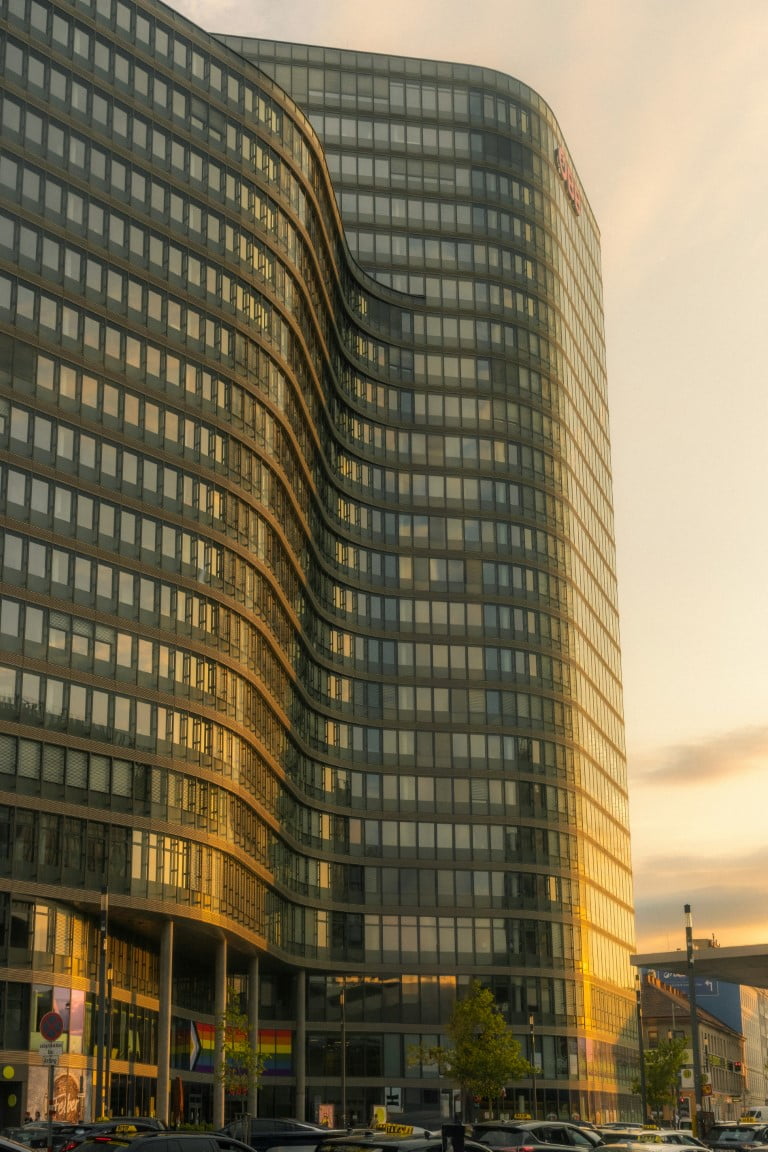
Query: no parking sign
x=51, y=1026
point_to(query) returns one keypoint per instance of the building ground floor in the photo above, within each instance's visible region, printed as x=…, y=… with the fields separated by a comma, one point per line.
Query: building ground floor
x=145, y=1004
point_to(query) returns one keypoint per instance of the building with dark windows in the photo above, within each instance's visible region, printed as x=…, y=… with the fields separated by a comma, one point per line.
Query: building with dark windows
x=310, y=698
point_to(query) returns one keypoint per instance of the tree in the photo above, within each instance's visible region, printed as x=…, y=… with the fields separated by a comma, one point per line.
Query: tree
x=484, y=1055
x=662, y=1072
x=243, y=1063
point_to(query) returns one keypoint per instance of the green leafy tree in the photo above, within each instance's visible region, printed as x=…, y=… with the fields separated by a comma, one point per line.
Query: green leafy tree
x=243, y=1062
x=662, y=1072
x=484, y=1056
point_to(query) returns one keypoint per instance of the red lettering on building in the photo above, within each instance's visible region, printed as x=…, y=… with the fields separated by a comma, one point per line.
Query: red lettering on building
x=568, y=176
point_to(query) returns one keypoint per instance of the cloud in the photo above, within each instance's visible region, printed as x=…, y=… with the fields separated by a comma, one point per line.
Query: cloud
x=725, y=897
x=726, y=756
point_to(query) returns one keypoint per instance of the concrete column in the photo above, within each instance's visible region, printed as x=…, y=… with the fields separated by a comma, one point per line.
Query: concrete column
x=253, y=1031
x=220, y=1011
x=300, y=1046
x=164, y=1023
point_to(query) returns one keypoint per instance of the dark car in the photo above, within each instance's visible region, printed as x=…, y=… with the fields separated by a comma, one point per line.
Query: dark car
x=30, y=1135
x=162, y=1141
x=743, y=1136
x=273, y=1124
x=717, y=1130
x=9, y=1145
x=117, y=1125
x=504, y=1135
x=35, y=1135
x=269, y=1134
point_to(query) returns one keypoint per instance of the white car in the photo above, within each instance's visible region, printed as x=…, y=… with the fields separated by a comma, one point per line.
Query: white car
x=664, y=1138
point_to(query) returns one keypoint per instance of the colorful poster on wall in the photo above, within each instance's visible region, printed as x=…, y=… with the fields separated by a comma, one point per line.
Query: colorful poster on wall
x=194, y=1043
x=326, y=1115
x=276, y=1046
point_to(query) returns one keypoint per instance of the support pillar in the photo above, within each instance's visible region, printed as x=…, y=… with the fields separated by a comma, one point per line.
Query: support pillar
x=253, y=1031
x=300, y=1046
x=220, y=1011
x=162, y=1104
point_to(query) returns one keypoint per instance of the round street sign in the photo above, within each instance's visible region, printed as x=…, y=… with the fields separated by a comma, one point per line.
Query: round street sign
x=51, y=1026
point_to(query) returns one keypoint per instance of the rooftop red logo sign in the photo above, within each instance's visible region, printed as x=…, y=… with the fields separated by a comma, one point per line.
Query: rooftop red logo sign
x=568, y=177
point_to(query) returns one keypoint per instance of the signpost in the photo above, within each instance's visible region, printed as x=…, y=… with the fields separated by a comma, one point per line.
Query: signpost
x=51, y=1051
x=51, y=1048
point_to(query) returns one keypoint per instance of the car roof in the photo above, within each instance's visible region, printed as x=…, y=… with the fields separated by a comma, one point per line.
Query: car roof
x=276, y=1124
x=738, y=1127
x=388, y=1140
x=528, y=1125
x=103, y=1141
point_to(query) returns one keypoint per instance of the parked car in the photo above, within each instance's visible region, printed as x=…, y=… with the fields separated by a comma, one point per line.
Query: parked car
x=116, y=1125
x=35, y=1134
x=716, y=1129
x=9, y=1145
x=725, y=1137
x=506, y=1135
x=62, y=1133
x=162, y=1141
x=30, y=1135
x=266, y=1134
x=271, y=1124
x=387, y=1142
x=655, y=1142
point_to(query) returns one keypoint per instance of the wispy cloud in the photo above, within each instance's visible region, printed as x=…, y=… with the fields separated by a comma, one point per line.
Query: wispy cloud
x=698, y=824
x=727, y=756
x=725, y=894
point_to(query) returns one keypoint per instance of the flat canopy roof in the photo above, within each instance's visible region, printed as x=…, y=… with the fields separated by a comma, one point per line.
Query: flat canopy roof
x=747, y=964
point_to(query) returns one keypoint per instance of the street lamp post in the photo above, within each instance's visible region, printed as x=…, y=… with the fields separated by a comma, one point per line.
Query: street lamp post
x=101, y=1023
x=534, y=1108
x=108, y=1043
x=694, y=1018
x=343, y=1042
x=641, y=1046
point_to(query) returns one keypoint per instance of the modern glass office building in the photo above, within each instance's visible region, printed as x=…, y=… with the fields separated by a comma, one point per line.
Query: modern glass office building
x=309, y=663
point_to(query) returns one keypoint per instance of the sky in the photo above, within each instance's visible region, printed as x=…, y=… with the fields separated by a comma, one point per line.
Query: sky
x=663, y=105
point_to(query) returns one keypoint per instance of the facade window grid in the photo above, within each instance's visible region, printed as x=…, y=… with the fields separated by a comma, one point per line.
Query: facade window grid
x=241, y=824
x=140, y=184
x=146, y=594
x=218, y=504
x=567, y=613
x=39, y=565
x=114, y=226
x=364, y=349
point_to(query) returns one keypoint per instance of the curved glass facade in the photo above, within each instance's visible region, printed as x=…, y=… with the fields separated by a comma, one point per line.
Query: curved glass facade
x=308, y=617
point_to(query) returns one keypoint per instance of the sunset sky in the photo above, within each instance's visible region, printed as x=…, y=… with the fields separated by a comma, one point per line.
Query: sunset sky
x=663, y=105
